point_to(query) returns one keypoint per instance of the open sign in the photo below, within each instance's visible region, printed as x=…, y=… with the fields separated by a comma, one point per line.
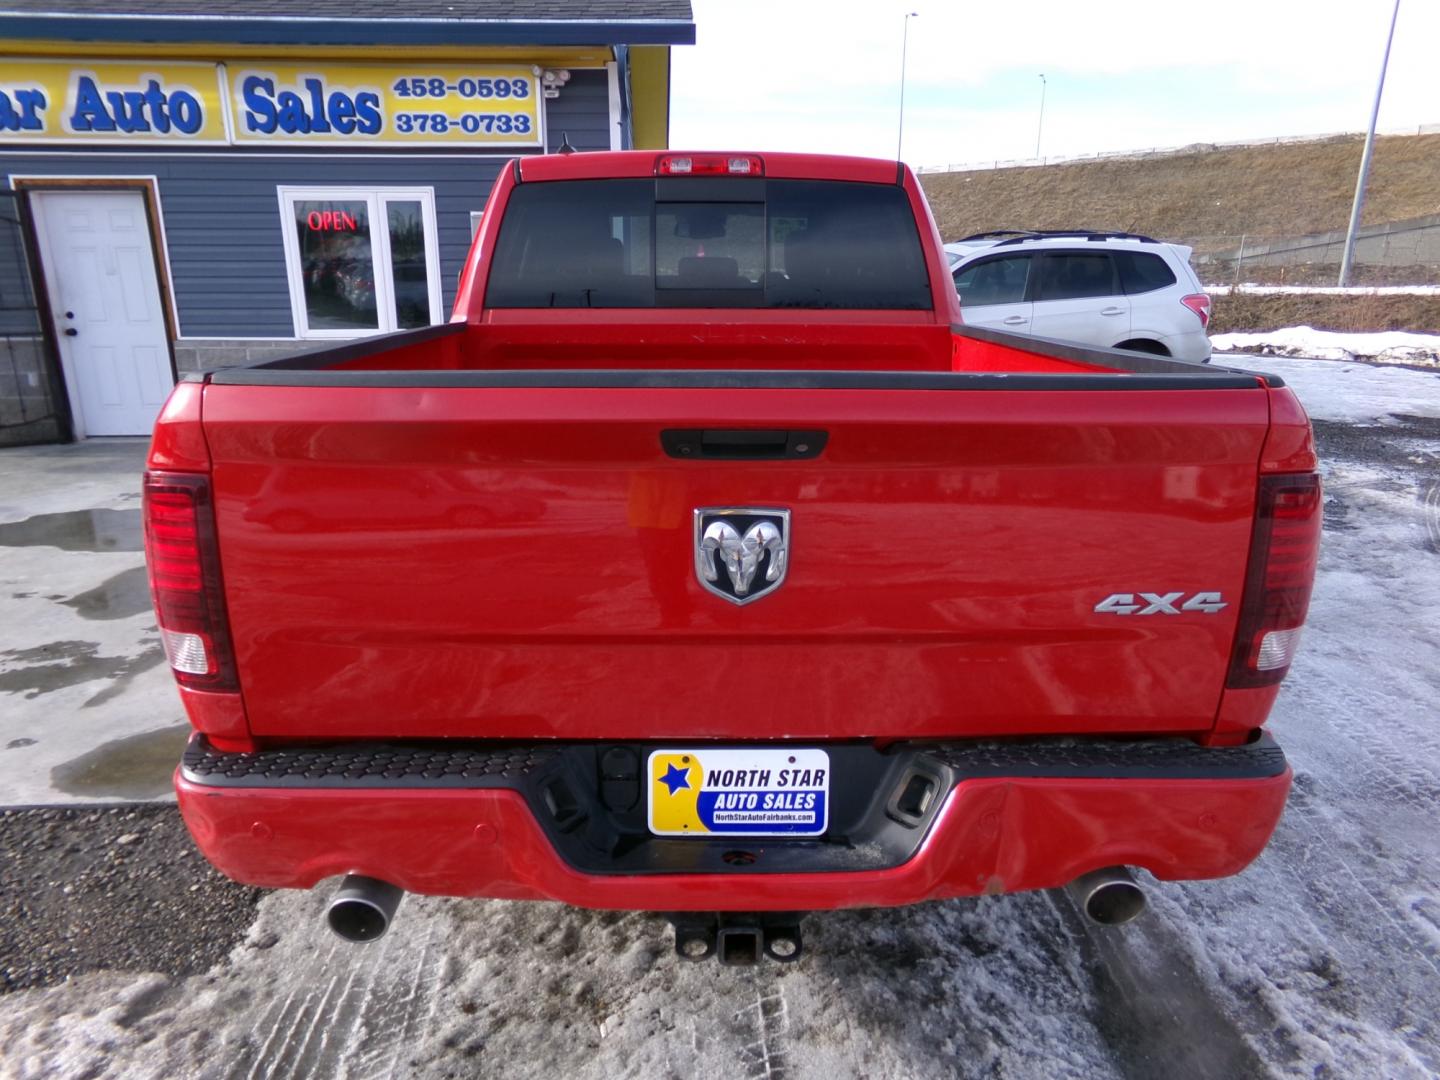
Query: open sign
x=330, y=221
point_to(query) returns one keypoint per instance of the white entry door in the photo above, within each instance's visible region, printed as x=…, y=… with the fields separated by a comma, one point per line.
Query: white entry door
x=105, y=295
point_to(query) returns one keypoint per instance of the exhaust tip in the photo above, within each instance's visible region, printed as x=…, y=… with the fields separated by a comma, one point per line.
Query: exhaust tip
x=1115, y=903
x=1109, y=897
x=362, y=908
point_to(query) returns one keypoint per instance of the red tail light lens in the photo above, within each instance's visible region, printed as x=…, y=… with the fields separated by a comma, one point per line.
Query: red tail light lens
x=1199, y=303
x=1284, y=550
x=184, y=562
x=709, y=165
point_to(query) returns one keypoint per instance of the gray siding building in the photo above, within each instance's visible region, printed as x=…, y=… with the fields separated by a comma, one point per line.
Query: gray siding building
x=190, y=188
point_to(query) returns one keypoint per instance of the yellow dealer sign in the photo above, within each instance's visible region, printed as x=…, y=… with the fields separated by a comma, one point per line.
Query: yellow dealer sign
x=105, y=102
x=419, y=105
x=249, y=102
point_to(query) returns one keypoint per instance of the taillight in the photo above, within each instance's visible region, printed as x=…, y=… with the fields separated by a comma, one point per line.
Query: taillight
x=1199, y=303
x=184, y=563
x=1284, y=549
x=709, y=165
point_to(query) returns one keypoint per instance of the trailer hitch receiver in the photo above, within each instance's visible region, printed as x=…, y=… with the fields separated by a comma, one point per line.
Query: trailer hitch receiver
x=738, y=939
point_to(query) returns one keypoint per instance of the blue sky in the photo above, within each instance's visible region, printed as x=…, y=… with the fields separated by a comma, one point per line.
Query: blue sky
x=1120, y=74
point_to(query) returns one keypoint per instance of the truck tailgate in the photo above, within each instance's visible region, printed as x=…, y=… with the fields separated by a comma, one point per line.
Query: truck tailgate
x=518, y=561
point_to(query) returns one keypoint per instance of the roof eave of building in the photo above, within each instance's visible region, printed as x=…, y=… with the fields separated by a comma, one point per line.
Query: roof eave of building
x=291, y=30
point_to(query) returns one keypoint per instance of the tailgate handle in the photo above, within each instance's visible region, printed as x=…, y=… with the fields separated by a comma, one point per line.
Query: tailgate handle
x=743, y=444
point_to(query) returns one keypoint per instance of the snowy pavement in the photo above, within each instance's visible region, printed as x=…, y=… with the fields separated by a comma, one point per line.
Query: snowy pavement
x=1385, y=346
x=1322, y=959
x=87, y=706
x=1329, y=945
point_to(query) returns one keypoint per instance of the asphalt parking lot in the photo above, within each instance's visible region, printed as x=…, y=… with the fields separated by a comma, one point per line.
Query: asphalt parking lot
x=124, y=955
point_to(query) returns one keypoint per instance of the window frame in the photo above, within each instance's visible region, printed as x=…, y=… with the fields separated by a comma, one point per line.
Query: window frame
x=505, y=289
x=1135, y=257
x=1031, y=275
x=1043, y=271
x=377, y=201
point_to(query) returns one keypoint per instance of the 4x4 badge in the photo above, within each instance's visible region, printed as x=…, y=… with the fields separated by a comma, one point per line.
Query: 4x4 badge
x=741, y=553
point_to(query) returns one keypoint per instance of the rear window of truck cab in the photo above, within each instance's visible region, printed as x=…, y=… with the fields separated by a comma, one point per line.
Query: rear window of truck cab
x=708, y=243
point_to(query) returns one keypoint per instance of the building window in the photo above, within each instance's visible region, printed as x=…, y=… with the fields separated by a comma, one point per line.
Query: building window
x=476, y=216
x=360, y=260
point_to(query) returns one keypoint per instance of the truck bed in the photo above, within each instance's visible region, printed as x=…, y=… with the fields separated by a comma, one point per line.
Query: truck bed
x=772, y=341
x=438, y=547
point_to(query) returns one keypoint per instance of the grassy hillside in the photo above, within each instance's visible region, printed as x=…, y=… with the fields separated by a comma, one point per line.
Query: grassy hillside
x=1279, y=190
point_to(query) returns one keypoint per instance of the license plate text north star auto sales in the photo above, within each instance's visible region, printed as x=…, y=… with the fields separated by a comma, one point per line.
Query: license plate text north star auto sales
x=738, y=792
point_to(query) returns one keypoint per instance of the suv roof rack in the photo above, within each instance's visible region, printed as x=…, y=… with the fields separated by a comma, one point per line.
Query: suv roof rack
x=1089, y=235
x=1019, y=236
x=993, y=233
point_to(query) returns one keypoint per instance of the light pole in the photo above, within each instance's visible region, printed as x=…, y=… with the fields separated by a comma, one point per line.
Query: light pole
x=1039, y=127
x=1359, y=204
x=904, y=44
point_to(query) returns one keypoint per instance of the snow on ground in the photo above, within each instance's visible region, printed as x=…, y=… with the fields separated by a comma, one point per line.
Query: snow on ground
x=1387, y=346
x=1323, y=959
x=1325, y=290
x=1354, y=393
x=998, y=986
x=1333, y=937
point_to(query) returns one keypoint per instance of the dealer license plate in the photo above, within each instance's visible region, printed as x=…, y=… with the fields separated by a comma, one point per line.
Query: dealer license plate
x=738, y=792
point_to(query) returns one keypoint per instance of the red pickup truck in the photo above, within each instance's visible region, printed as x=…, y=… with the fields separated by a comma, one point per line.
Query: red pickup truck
x=704, y=563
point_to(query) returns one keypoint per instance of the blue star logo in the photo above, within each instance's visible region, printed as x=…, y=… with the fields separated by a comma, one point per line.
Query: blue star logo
x=676, y=778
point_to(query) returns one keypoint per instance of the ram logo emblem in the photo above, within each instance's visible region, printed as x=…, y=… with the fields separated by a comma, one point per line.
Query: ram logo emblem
x=741, y=554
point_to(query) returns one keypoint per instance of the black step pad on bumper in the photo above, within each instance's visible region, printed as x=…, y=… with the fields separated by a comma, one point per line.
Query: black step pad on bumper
x=366, y=765
x=1153, y=759
x=590, y=799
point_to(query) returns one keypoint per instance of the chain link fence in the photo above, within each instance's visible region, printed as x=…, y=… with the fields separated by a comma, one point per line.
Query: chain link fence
x=1397, y=253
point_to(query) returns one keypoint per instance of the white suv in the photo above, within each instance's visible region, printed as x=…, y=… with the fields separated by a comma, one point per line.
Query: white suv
x=1094, y=288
